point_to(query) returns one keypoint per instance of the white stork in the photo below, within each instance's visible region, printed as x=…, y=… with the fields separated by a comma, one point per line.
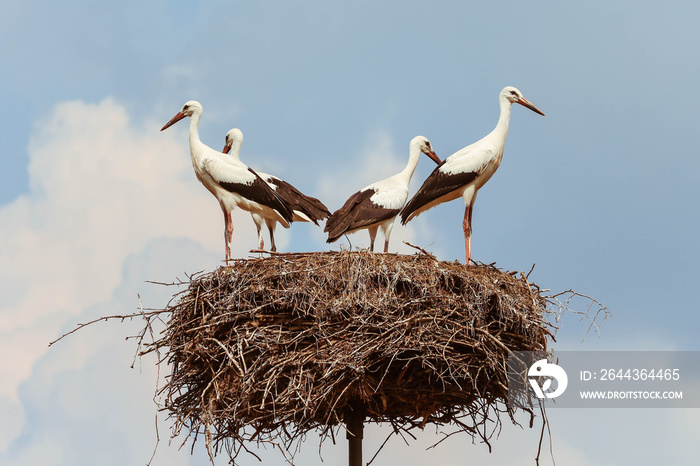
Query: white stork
x=377, y=205
x=463, y=173
x=229, y=180
x=304, y=208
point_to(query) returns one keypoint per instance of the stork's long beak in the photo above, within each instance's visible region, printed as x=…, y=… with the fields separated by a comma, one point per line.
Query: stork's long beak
x=526, y=103
x=227, y=148
x=433, y=156
x=175, y=119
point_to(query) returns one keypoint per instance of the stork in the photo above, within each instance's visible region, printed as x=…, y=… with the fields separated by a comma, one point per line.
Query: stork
x=463, y=173
x=304, y=208
x=229, y=180
x=377, y=205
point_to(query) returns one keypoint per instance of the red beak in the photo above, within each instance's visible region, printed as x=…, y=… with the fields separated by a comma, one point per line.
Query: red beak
x=526, y=103
x=227, y=148
x=174, y=120
x=434, y=157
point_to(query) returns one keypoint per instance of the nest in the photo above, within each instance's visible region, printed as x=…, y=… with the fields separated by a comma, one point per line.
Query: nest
x=269, y=349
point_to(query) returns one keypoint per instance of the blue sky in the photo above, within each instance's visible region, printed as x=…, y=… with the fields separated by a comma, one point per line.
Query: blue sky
x=601, y=193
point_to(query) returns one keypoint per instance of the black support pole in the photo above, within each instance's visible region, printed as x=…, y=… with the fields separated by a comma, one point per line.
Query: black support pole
x=354, y=420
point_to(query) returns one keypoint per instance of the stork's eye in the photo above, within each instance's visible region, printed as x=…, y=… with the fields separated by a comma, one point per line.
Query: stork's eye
x=513, y=93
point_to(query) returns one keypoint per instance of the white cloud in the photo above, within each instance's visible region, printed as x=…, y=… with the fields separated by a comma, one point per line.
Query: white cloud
x=101, y=189
x=84, y=403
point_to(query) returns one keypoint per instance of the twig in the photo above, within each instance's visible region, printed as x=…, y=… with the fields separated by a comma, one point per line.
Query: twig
x=531, y=269
x=420, y=249
x=276, y=253
x=106, y=318
x=545, y=423
x=564, y=306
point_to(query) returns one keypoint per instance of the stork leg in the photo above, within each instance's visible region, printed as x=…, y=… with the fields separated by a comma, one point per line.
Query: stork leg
x=372, y=236
x=387, y=233
x=271, y=228
x=228, y=232
x=467, y=226
x=261, y=241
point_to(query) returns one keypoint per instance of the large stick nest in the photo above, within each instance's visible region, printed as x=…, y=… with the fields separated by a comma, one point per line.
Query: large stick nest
x=269, y=349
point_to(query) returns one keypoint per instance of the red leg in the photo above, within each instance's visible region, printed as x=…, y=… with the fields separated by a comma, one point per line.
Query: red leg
x=387, y=232
x=271, y=229
x=372, y=235
x=258, y=226
x=467, y=226
x=228, y=233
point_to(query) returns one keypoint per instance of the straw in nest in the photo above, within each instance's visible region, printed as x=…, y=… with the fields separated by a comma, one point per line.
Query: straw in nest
x=270, y=349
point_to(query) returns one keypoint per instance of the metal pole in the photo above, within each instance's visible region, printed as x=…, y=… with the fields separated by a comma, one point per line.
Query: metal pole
x=354, y=419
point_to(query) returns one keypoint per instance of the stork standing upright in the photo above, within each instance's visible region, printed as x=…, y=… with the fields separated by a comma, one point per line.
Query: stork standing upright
x=467, y=170
x=377, y=205
x=229, y=180
x=304, y=208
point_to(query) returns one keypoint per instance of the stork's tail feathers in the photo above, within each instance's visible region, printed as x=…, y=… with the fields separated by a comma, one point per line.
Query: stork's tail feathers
x=312, y=208
x=407, y=211
x=284, y=209
x=307, y=208
x=336, y=226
